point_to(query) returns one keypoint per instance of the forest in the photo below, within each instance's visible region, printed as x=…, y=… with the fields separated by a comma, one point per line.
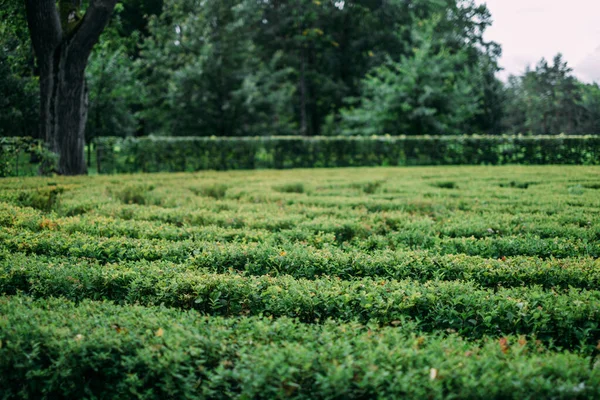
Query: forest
x=301, y=67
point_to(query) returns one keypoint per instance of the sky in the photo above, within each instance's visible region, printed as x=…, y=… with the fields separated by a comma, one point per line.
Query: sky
x=528, y=30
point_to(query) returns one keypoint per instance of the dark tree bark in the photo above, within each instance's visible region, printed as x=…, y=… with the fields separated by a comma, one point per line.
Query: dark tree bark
x=63, y=41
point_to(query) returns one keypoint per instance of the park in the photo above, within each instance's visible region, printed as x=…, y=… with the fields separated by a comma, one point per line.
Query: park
x=242, y=199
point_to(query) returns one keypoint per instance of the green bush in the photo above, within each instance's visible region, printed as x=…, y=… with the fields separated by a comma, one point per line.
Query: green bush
x=445, y=185
x=216, y=191
x=117, y=248
x=55, y=349
x=25, y=156
x=402, y=282
x=131, y=194
x=169, y=154
x=570, y=319
x=292, y=187
x=46, y=199
x=371, y=187
x=307, y=262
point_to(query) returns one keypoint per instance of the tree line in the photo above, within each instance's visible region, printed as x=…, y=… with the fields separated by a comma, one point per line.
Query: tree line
x=297, y=67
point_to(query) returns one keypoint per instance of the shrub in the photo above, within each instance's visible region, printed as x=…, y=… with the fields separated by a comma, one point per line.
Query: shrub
x=292, y=187
x=200, y=153
x=216, y=191
x=56, y=349
x=132, y=193
x=25, y=156
x=46, y=199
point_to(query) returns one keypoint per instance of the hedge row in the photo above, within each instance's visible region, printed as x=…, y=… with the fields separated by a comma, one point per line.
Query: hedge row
x=368, y=231
x=55, y=349
x=154, y=154
x=113, y=249
x=187, y=223
x=309, y=262
x=570, y=319
x=530, y=234
x=25, y=156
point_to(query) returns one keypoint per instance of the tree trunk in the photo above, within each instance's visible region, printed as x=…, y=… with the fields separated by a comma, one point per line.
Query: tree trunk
x=66, y=113
x=63, y=42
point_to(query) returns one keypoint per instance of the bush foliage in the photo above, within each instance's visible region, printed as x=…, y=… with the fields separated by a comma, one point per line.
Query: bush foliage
x=161, y=154
x=23, y=156
x=55, y=348
x=465, y=282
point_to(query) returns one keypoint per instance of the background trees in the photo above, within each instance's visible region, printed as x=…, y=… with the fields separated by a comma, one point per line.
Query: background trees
x=431, y=91
x=310, y=67
x=550, y=100
x=242, y=67
x=19, y=92
x=112, y=82
x=63, y=35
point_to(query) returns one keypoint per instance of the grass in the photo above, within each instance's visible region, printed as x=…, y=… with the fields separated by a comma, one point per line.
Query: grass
x=472, y=282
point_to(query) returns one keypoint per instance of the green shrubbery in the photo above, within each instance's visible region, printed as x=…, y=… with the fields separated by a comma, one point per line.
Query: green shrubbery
x=156, y=154
x=23, y=156
x=423, y=282
x=178, y=154
x=216, y=191
x=132, y=194
x=54, y=348
x=568, y=319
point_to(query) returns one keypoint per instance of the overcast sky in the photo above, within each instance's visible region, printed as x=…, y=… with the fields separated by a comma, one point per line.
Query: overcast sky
x=531, y=29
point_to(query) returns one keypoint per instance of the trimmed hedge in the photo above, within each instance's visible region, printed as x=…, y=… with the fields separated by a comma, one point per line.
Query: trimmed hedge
x=119, y=248
x=25, y=156
x=308, y=262
x=402, y=282
x=55, y=349
x=171, y=154
x=569, y=319
x=368, y=232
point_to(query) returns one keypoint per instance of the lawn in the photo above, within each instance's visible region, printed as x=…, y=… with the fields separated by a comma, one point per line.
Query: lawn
x=437, y=282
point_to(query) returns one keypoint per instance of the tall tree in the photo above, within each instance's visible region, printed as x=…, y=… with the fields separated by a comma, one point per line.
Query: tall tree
x=438, y=78
x=430, y=92
x=111, y=79
x=18, y=84
x=203, y=75
x=63, y=39
x=590, y=103
x=549, y=100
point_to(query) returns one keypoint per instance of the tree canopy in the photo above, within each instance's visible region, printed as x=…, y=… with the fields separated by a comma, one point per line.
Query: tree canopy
x=283, y=67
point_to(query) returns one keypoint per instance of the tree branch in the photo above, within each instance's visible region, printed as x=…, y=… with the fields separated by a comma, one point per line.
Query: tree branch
x=94, y=21
x=44, y=26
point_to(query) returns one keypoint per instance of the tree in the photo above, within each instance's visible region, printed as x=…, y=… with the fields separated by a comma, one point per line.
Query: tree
x=549, y=100
x=391, y=54
x=111, y=79
x=248, y=67
x=433, y=91
x=19, y=102
x=63, y=40
x=18, y=98
x=590, y=102
x=329, y=45
x=134, y=15
x=203, y=75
